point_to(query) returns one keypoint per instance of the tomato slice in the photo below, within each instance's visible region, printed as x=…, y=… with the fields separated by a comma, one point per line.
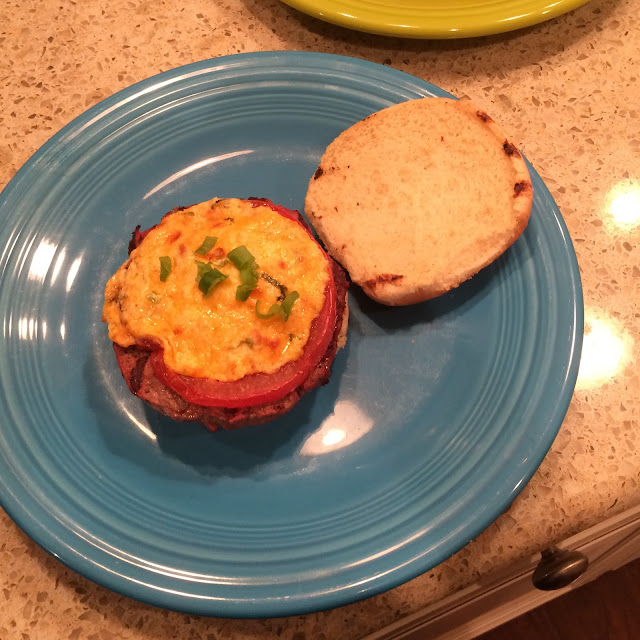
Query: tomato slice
x=258, y=388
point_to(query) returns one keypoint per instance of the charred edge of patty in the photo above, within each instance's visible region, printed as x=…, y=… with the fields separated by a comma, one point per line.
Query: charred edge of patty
x=138, y=236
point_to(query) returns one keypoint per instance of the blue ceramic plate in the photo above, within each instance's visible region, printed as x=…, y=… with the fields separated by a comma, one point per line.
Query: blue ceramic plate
x=435, y=417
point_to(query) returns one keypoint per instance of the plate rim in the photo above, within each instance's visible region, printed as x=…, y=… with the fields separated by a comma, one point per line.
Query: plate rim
x=65, y=553
x=425, y=29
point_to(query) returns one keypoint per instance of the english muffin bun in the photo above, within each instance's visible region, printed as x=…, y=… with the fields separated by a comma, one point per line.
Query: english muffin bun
x=417, y=198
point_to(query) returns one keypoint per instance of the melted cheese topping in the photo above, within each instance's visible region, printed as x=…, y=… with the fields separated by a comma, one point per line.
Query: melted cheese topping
x=217, y=336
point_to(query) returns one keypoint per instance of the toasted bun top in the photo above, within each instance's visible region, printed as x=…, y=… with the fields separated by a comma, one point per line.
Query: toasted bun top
x=416, y=198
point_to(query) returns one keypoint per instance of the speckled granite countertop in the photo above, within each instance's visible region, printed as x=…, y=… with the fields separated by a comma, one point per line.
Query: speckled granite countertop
x=567, y=90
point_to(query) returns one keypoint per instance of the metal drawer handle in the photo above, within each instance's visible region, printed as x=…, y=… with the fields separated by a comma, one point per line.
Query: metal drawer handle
x=559, y=568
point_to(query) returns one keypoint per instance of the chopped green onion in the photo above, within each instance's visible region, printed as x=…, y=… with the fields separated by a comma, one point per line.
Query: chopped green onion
x=244, y=290
x=287, y=303
x=203, y=267
x=243, y=260
x=241, y=257
x=207, y=245
x=208, y=278
x=283, y=309
x=165, y=267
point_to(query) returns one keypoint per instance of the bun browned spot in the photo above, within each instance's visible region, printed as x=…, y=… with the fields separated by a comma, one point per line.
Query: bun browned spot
x=417, y=198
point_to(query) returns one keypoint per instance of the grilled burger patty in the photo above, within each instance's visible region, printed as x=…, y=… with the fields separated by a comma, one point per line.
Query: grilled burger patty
x=136, y=361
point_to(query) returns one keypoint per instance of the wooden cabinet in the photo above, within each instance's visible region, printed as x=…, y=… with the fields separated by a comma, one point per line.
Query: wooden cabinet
x=500, y=597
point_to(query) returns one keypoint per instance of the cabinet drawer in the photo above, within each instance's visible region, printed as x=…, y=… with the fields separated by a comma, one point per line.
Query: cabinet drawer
x=500, y=597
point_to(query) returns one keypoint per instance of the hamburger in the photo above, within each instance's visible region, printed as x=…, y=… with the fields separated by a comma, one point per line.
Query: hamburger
x=417, y=198
x=226, y=313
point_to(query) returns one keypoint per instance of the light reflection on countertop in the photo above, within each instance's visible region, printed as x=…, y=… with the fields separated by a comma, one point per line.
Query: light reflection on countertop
x=622, y=205
x=606, y=350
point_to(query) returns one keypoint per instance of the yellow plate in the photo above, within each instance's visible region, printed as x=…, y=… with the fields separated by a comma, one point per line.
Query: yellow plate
x=435, y=18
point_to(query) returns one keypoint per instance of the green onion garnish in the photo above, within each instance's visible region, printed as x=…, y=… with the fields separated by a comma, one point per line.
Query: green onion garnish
x=203, y=267
x=243, y=260
x=165, y=267
x=207, y=245
x=241, y=257
x=244, y=290
x=208, y=278
x=283, y=309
